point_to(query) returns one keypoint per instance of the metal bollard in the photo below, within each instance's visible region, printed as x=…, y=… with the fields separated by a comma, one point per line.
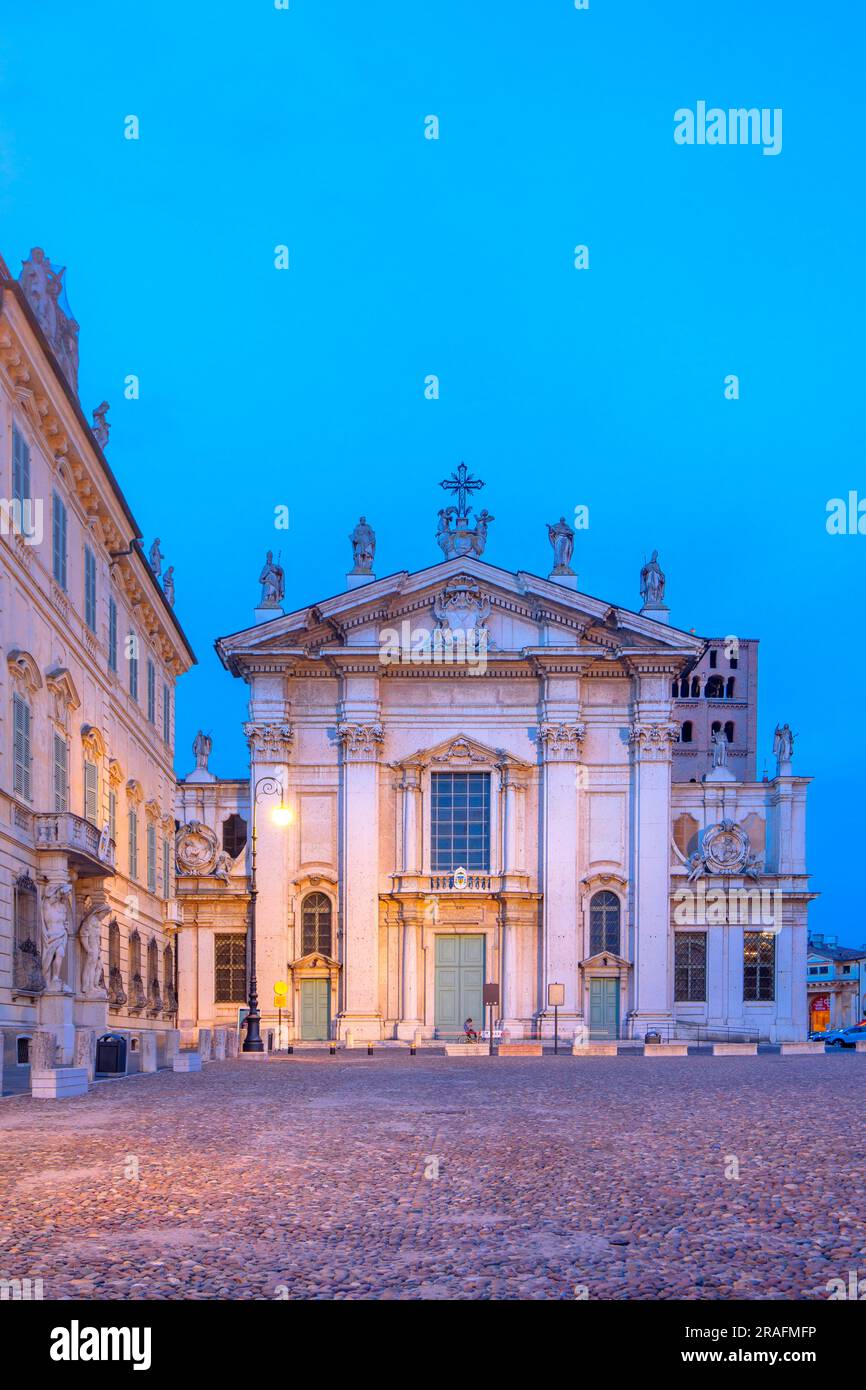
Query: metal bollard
x=333, y=1049
x=290, y=1049
x=411, y=1049
x=369, y=1049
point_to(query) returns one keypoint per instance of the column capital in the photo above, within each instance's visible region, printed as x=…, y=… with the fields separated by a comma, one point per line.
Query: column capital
x=653, y=740
x=561, y=740
x=269, y=741
x=361, y=742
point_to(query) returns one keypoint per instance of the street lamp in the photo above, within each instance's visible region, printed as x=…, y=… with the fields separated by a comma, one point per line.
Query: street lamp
x=265, y=786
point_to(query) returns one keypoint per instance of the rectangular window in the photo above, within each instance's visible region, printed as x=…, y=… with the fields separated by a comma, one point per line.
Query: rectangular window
x=91, y=792
x=151, y=858
x=759, y=966
x=460, y=806
x=58, y=539
x=112, y=635
x=230, y=968
x=151, y=691
x=166, y=868
x=133, y=842
x=690, y=967
x=90, y=588
x=112, y=815
x=61, y=773
x=166, y=714
x=21, y=781
x=20, y=467
x=132, y=652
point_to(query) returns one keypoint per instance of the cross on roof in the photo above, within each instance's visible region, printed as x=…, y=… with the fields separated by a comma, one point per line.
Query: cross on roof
x=461, y=483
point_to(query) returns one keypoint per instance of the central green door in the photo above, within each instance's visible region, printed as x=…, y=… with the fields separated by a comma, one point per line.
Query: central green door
x=315, y=1013
x=604, y=1009
x=459, y=982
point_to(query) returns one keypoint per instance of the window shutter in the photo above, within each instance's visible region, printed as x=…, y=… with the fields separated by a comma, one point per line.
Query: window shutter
x=61, y=777
x=21, y=739
x=91, y=792
x=151, y=858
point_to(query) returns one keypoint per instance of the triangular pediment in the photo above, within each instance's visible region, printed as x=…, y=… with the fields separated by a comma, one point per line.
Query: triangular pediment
x=605, y=960
x=461, y=754
x=527, y=615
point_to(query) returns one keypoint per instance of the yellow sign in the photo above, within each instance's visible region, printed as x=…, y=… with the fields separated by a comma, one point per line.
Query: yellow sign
x=280, y=992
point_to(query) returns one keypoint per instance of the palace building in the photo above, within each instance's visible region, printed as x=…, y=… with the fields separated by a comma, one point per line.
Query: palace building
x=91, y=650
x=492, y=777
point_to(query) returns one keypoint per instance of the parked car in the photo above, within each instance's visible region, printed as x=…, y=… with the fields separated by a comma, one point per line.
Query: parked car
x=842, y=1037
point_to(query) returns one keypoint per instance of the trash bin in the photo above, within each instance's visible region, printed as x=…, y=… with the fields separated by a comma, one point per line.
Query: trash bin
x=652, y=1037
x=111, y=1054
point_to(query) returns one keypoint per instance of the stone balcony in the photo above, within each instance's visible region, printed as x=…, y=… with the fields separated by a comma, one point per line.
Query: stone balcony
x=463, y=881
x=87, y=848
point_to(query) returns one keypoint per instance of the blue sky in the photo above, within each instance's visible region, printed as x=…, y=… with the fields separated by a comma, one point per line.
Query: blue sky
x=305, y=127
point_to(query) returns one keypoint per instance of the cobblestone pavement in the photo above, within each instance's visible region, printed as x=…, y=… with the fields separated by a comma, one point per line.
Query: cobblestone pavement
x=429, y=1177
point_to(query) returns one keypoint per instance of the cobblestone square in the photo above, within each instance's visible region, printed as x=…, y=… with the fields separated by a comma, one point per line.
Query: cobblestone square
x=349, y=1177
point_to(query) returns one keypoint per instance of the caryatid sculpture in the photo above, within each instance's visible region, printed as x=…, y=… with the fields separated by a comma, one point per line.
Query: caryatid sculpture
x=90, y=945
x=56, y=912
x=273, y=583
x=561, y=537
x=363, y=540
x=652, y=582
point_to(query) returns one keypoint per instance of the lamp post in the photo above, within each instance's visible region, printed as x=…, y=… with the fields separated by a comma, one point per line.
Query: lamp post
x=266, y=786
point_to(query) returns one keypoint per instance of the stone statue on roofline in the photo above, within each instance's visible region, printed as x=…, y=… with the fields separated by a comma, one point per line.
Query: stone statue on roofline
x=652, y=582
x=168, y=585
x=561, y=537
x=273, y=582
x=783, y=745
x=363, y=540
x=101, y=427
x=156, y=558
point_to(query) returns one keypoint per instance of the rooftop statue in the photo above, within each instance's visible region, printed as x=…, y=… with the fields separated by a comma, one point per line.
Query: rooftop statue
x=652, y=582
x=43, y=287
x=101, y=427
x=363, y=540
x=783, y=743
x=561, y=537
x=273, y=582
x=168, y=585
x=156, y=558
x=201, y=747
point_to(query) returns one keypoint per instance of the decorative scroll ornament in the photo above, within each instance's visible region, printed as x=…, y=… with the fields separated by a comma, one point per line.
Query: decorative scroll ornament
x=724, y=848
x=654, y=741
x=196, y=848
x=42, y=283
x=561, y=740
x=269, y=741
x=361, y=741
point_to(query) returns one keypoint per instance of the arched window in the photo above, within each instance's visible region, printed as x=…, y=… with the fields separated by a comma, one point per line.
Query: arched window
x=716, y=727
x=686, y=732
x=696, y=687
x=234, y=835
x=116, y=992
x=604, y=923
x=729, y=731
x=137, y=993
x=316, y=923
x=729, y=691
x=154, y=999
x=169, y=991
x=715, y=689
x=675, y=690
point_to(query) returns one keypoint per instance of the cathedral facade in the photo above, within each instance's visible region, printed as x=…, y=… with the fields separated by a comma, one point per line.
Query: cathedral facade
x=464, y=776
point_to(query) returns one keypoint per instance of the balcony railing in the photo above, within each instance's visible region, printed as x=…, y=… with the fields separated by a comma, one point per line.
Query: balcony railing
x=86, y=843
x=461, y=881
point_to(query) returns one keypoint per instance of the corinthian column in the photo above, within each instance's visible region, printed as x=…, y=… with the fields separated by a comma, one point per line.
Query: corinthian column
x=561, y=742
x=652, y=737
x=361, y=745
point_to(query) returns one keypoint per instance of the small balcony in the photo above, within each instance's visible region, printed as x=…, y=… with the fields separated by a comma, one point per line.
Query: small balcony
x=462, y=881
x=90, y=850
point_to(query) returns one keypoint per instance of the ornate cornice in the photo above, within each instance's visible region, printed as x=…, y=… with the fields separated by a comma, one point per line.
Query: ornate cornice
x=269, y=740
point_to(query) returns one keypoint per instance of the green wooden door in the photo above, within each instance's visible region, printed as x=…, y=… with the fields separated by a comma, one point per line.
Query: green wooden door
x=459, y=982
x=315, y=1011
x=604, y=1009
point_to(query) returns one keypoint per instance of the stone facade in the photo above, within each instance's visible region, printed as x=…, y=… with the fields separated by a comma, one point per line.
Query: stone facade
x=87, y=782
x=587, y=853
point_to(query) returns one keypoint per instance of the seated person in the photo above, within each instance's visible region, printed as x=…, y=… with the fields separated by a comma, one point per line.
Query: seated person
x=470, y=1031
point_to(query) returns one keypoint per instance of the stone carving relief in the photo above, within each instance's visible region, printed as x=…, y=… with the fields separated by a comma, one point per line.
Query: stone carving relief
x=89, y=944
x=463, y=607
x=56, y=914
x=724, y=848
x=43, y=286
x=653, y=740
x=561, y=740
x=361, y=741
x=269, y=741
x=196, y=848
